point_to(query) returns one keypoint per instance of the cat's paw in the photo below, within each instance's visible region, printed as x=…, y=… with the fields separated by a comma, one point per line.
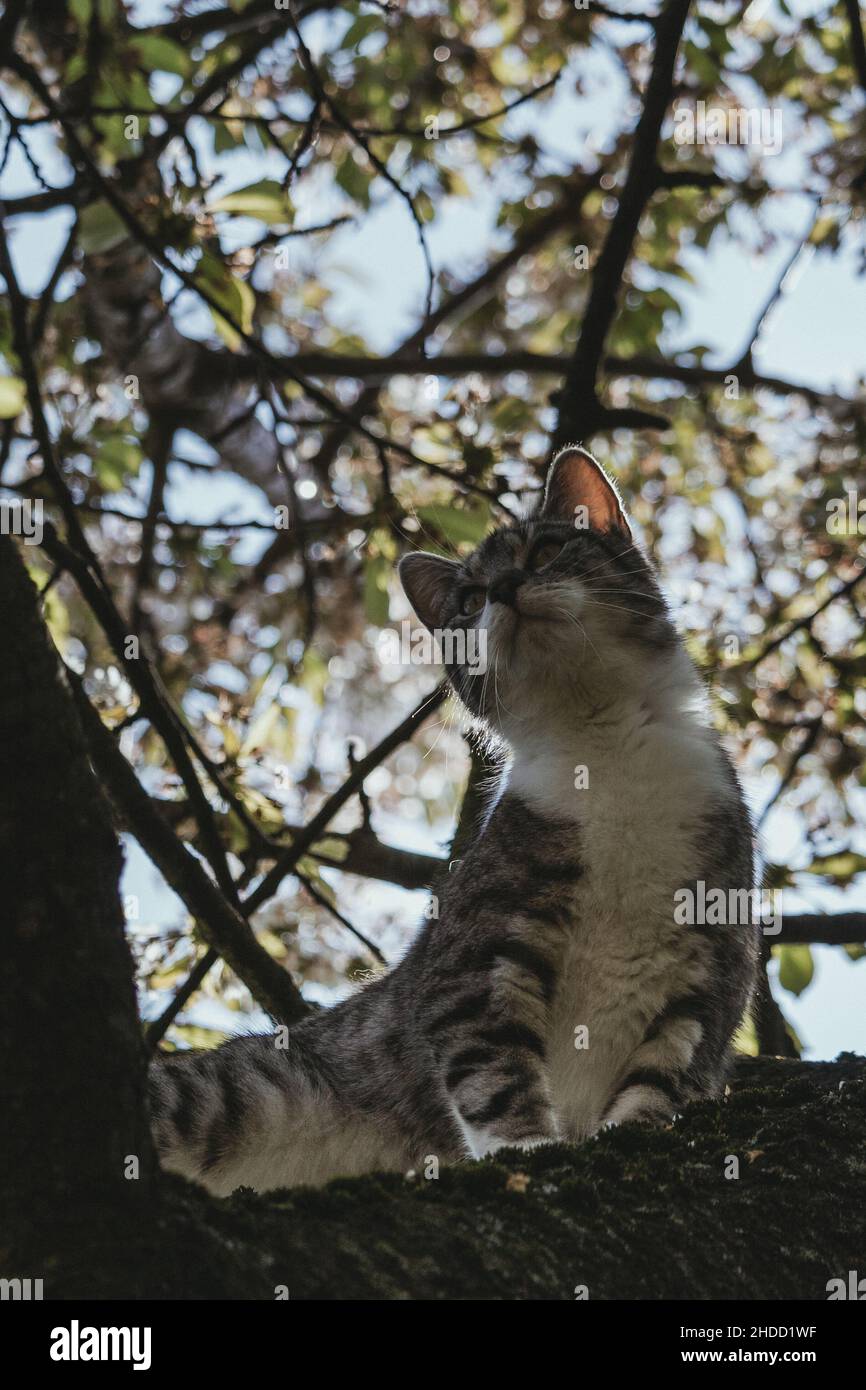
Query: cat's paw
x=534, y=1141
x=640, y=1106
x=526, y=1142
x=482, y=1142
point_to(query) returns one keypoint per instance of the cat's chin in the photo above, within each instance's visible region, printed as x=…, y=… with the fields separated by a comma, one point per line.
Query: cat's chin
x=520, y=641
x=532, y=656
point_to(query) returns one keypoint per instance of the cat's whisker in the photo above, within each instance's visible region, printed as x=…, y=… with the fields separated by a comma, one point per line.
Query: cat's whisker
x=573, y=618
x=613, y=589
x=641, y=593
x=614, y=576
x=442, y=724
x=439, y=543
x=450, y=720
x=608, y=561
x=496, y=686
x=620, y=608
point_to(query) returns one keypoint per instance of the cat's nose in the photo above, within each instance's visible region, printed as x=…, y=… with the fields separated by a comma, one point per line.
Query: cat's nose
x=504, y=587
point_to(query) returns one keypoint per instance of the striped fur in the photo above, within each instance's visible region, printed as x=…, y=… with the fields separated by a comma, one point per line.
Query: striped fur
x=556, y=992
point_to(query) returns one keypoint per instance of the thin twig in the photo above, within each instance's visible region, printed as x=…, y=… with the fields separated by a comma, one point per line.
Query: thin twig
x=323, y=97
x=323, y=817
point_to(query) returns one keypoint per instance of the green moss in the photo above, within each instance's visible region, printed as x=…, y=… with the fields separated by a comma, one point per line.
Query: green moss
x=633, y=1213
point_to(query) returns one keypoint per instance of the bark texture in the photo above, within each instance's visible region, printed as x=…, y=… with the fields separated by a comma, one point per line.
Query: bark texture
x=633, y=1214
x=71, y=1058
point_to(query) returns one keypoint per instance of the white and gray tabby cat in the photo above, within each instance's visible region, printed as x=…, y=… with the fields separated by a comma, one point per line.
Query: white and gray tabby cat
x=557, y=992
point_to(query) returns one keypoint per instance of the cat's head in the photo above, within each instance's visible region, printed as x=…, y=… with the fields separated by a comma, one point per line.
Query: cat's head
x=566, y=604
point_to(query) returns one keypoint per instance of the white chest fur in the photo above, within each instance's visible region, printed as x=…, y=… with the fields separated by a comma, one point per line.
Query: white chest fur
x=634, y=786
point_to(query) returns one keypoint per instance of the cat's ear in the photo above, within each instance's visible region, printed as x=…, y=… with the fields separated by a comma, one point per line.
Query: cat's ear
x=426, y=580
x=579, y=491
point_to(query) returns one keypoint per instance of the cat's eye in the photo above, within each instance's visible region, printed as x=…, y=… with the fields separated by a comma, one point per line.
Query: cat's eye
x=472, y=601
x=544, y=553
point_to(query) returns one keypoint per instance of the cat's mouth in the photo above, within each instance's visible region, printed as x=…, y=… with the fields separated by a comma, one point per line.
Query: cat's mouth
x=541, y=608
x=532, y=623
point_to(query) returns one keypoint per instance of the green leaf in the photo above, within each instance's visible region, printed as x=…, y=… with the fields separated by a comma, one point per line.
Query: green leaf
x=313, y=675
x=825, y=232
x=115, y=460
x=459, y=525
x=511, y=414
x=310, y=870
x=75, y=69
x=377, y=570
x=330, y=848
x=198, y=1037
x=227, y=135
x=162, y=55
x=796, y=967
x=81, y=10
x=839, y=867
x=99, y=229
x=354, y=180
x=231, y=294
x=266, y=813
x=13, y=397
x=363, y=26
x=272, y=730
x=266, y=200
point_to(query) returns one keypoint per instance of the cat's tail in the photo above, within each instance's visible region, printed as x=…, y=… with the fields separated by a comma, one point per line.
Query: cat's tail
x=212, y=1111
x=254, y=1114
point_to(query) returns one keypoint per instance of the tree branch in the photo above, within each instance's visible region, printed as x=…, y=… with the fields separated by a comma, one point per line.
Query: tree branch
x=579, y=409
x=820, y=929
x=156, y=705
x=220, y=924
x=315, y=828
x=640, y=366
x=798, y=624
x=858, y=42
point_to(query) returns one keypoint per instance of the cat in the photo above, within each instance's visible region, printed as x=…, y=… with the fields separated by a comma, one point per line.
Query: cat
x=558, y=991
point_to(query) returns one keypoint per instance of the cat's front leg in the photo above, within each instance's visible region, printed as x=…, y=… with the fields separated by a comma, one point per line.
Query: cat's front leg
x=501, y=1110
x=657, y=1082
x=491, y=1044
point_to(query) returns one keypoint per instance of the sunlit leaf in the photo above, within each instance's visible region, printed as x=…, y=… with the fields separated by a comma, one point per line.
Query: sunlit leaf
x=100, y=229
x=118, y=459
x=13, y=397
x=162, y=54
x=330, y=848
x=266, y=200
x=796, y=967
x=465, y=525
x=232, y=294
x=839, y=867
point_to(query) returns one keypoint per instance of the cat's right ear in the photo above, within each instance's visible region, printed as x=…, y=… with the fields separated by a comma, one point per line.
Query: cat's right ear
x=426, y=580
x=577, y=485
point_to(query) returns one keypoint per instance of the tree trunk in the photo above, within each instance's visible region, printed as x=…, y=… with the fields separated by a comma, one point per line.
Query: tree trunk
x=71, y=1056
x=632, y=1214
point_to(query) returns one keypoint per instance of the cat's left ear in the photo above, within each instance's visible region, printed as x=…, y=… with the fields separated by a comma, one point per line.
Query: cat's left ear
x=426, y=580
x=579, y=491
